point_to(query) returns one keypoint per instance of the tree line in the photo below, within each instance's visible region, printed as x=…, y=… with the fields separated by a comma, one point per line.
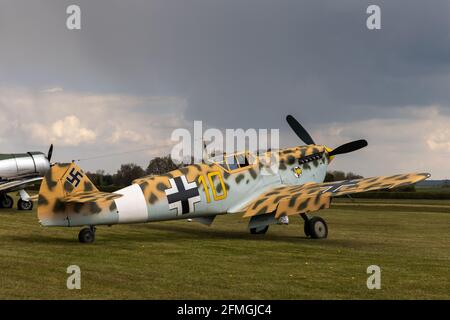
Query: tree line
x=131, y=171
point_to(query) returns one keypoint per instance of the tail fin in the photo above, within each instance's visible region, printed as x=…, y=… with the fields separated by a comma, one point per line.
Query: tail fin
x=61, y=181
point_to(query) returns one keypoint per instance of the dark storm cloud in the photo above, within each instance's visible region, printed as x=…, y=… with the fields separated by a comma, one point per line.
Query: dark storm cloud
x=239, y=63
x=232, y=63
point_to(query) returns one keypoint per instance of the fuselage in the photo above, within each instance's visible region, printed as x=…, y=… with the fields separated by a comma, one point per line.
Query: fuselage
x=22, y=165
x=202, y=190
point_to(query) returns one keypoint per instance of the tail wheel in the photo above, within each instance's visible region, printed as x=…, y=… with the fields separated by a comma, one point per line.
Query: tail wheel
x=24, y=205
x=6, y=202
x=317, y=228
x=259, y=230
x=87, y=235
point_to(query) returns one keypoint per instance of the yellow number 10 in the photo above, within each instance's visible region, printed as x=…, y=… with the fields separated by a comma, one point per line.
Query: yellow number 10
x=216, y=197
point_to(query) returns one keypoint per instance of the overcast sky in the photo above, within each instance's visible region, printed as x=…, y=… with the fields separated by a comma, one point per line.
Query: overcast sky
x=139, y=69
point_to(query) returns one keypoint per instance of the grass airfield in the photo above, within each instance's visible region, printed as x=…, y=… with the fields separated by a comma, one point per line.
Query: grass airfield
x=409, y=240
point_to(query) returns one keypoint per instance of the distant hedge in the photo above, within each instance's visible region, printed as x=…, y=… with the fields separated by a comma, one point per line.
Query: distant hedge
x=110, y=188
x=402, y=195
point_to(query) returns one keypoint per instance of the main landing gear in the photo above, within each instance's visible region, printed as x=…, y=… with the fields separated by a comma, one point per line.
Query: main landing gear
x=87, y=235
x=7, y=202
x=315, y=227
x=262, y=230
x=24, y=205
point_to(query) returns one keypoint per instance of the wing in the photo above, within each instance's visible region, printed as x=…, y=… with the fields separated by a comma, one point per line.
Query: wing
x=288, y=200
x=18, y=184
x=90, y=196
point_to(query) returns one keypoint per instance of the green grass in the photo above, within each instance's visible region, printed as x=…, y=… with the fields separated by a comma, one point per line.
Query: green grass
x=433, y=189
x=182, y=260
x=409, y=202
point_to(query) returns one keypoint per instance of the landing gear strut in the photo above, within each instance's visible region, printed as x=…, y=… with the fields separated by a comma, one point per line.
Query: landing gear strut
x=315, y=227
x=87, y=235
x=24, y=202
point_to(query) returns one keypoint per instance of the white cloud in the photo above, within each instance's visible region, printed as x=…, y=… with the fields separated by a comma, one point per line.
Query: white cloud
x=53, y=90
x=413, y=139
x=439, y=140
x=125, y=136
x=84, y=125
x=64, y=132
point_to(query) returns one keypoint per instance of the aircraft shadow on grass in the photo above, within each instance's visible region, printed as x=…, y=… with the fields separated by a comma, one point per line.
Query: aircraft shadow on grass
x=183, y=233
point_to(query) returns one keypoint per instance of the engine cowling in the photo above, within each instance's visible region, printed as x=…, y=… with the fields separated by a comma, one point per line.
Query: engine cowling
x=23, y=164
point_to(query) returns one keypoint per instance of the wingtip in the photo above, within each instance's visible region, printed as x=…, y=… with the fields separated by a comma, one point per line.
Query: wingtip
x=425, y=175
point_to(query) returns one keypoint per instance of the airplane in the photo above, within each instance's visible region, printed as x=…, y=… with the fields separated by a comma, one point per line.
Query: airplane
x=18, y=171
x=228, y=183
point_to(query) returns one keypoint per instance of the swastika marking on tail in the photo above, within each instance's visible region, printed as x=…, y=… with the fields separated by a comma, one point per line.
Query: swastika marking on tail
x=74, y=177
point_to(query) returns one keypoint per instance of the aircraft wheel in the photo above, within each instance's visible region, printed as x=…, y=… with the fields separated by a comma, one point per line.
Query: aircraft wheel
x=87, y=235
x=7, y=202
x=259, y=230
x=318, y=228
x=24, y=205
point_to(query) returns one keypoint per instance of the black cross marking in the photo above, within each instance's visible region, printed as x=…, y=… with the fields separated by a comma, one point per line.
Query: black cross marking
x=337, y=186
x=74, y=177
x=182, y=195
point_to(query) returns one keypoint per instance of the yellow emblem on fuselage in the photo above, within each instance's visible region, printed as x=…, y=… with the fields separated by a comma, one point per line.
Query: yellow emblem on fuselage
x=297, y=171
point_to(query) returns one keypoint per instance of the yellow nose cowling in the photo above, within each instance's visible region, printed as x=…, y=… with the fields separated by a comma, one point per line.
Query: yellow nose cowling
x=329, y=150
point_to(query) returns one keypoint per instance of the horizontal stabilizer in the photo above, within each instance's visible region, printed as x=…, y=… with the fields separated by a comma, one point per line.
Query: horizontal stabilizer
x=84, y=197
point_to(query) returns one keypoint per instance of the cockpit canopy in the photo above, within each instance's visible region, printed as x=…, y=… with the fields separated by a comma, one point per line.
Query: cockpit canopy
x=235, y=161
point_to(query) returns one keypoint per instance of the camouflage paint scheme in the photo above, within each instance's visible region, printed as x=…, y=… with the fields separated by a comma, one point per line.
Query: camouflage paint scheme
x=68, y=198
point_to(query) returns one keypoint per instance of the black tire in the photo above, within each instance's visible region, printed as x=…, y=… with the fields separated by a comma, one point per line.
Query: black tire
x=7, y=202
x=318, y=228
x=306, y=229
x=86, y=235
x=24, y=205
x=259, y=231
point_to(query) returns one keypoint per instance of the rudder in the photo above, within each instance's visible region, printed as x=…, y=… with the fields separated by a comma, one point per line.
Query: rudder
x=62, y=180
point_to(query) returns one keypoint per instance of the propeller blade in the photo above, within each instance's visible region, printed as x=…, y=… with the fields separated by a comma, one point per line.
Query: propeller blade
x=50, y=152
x=349, y=147
x=299, y=130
